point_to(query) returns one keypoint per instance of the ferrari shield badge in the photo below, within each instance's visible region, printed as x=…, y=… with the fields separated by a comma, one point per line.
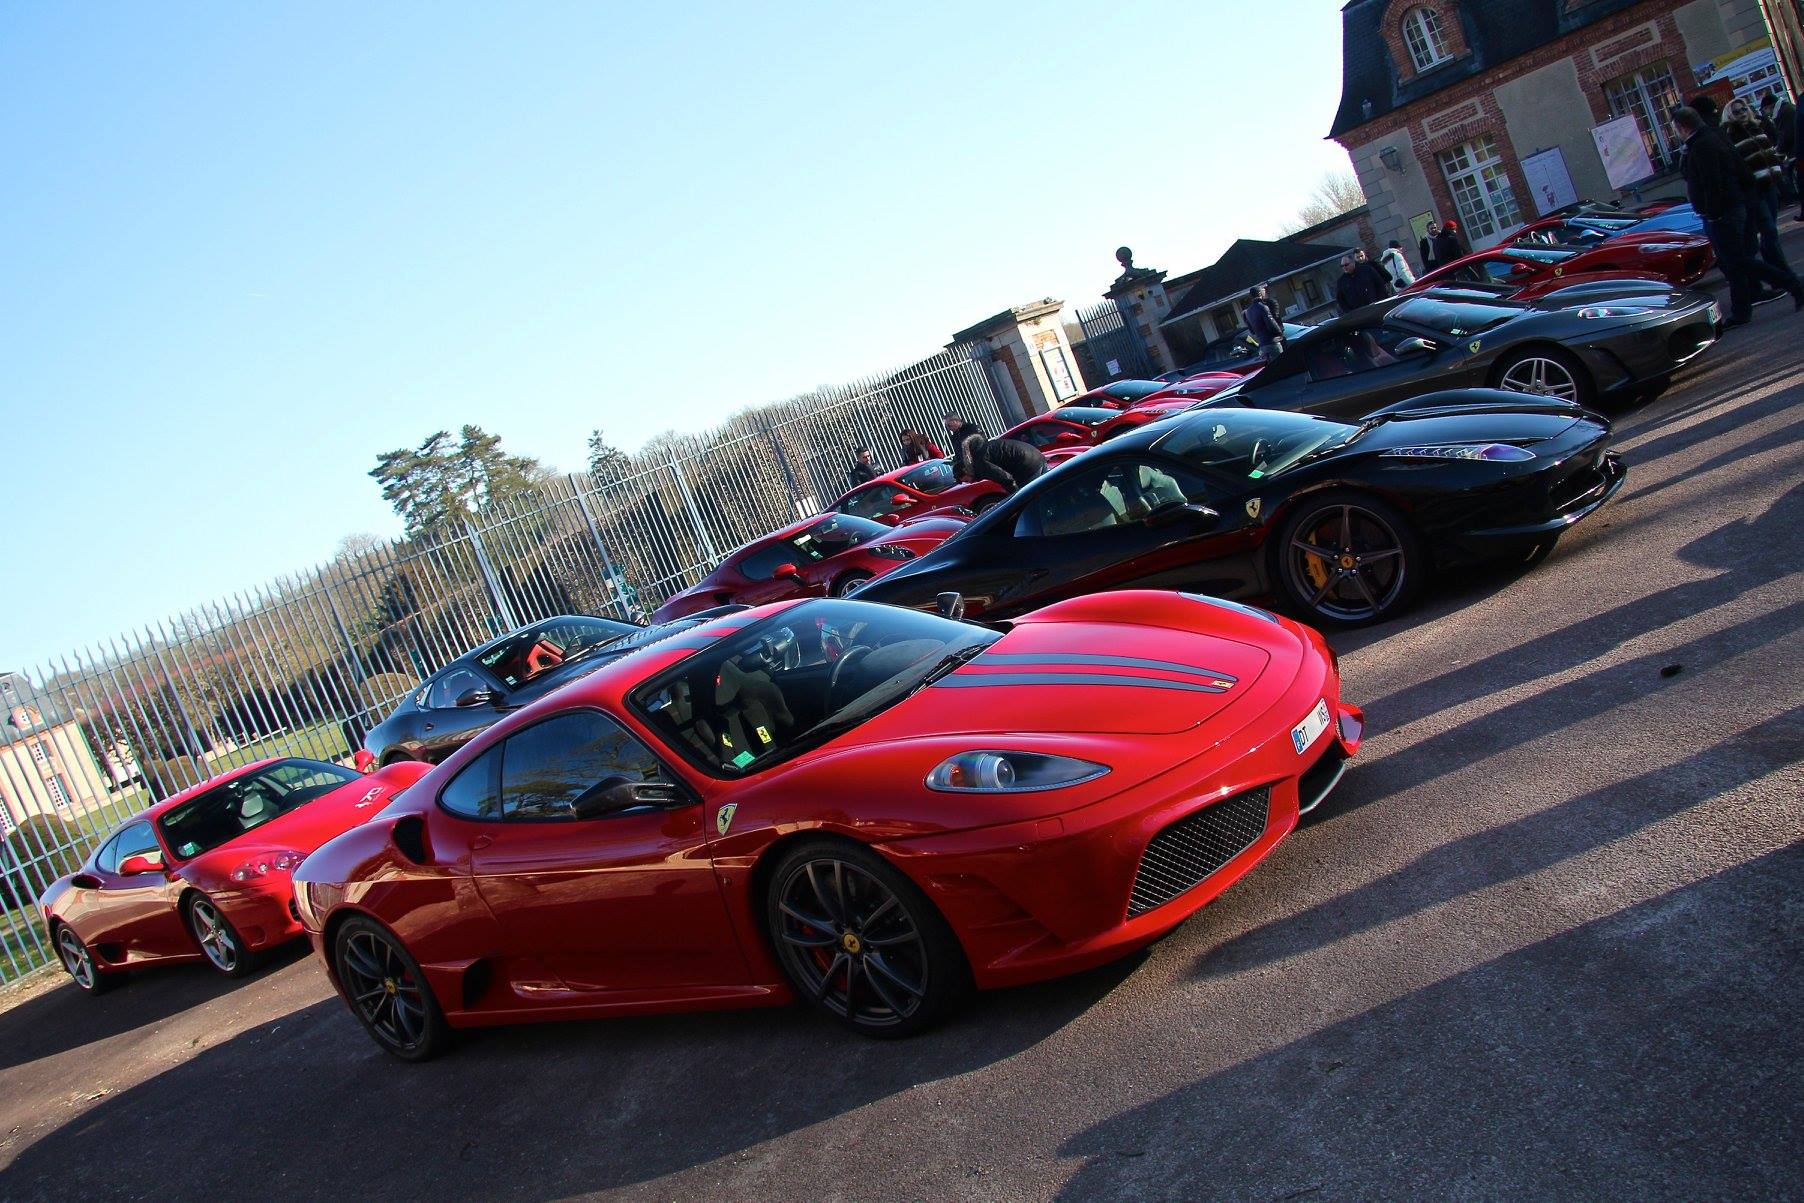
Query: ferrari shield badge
x=1474, y=345
x=1253, y=507
x=723, y=818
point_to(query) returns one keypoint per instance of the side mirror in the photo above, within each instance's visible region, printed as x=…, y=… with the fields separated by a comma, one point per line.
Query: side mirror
x=950, y=605
x=1417, y=346
x=611, y=795
x=144, y=862
x=890, y=519
x=1520, y=269
x=899, y=499
x=1176, y=512
x=474, y=697
x=787, y=570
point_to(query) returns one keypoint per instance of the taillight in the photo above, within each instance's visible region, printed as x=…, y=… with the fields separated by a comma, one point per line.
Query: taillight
x=285, y=861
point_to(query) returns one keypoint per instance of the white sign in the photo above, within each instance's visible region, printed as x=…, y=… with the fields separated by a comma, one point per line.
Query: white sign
x=1549, y=181
x=1624, y=154
x=1113, y=367
x=1063, y=386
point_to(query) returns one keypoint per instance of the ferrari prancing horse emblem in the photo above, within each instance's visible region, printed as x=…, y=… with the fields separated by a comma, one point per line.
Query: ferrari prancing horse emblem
x=1253, y=508
x=723, y=818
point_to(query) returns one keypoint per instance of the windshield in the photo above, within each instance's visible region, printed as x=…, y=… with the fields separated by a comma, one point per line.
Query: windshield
x=1537, y=254
x=1252, y=443
x=1455, y=319
x=1131, y=390
x=934, y=476
x=543, y=646
x=760, y=696
x=244, y=803
x=834, y=534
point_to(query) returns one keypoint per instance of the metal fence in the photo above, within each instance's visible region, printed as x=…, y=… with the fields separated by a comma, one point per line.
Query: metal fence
x=305, y=664
x=1112, y=346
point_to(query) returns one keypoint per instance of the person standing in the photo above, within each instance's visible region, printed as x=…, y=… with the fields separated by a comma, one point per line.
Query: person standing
x=1780, y=117
x=1717, y=184
x=1448, y=245
x=967, y=446
x=1745, y=131
x=1264, y=324
x=1425, y=248
x=863, y=469
x=1354, y=289
x=917, y=448
x=1396, y=266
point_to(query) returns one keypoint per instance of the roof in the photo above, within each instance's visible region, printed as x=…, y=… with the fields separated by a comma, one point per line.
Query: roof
x=1248, y=262
x=17, y=691
x=1496, y=32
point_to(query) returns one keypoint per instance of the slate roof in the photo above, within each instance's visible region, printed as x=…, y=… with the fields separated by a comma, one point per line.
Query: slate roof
x=1496, y=31
x=1248, y=262
x=16, y=689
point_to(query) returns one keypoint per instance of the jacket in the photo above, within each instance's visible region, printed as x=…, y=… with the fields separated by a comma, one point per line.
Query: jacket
x=1263, y=324
x=1447, y=248
x=967, y=449
x=1360, y=287
x=1425, y=248
x=1397, y=268
x=1022, y=461
x=1755, y=149
x=1716, y=178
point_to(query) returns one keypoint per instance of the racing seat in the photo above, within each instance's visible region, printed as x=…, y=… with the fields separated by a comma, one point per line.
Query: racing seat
x=543, y=655
x=751, y=713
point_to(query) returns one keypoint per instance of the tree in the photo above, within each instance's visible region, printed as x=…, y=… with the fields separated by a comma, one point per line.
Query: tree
x=442, y=482
x=1335, y=193
x=606, y=461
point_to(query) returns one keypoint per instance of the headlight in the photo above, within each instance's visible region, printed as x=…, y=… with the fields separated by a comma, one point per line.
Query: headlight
x=1010, y=773
x=1601, y=311
x=1657, y=248
x=268, y=862
x=1496, y=453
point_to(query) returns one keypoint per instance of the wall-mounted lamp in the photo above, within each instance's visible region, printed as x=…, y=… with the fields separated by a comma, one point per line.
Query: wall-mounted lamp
x=1390, y=157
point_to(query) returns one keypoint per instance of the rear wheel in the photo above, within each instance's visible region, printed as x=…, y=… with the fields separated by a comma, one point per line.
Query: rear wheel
x=849, y=582
x=387, y=991
x=859, y=940
x=1546, y=372
x=1345, y=559
x=985, y=503
x=219, y=941
x=80, y=963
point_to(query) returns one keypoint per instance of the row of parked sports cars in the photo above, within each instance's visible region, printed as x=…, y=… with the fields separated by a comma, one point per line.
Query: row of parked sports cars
x=1065, y=732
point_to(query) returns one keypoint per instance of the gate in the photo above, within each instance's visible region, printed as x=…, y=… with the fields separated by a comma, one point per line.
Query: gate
x=1112, y=345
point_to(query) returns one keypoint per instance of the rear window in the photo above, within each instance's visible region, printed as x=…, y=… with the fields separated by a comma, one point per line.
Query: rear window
x=1455, y=319
x=935, y=476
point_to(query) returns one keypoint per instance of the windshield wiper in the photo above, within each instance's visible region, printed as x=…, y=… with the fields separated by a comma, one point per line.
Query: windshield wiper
x=949, y=662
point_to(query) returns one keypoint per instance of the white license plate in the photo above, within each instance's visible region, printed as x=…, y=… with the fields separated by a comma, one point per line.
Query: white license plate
x=1311, y=728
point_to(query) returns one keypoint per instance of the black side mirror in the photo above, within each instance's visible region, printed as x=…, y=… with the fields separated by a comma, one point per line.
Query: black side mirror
x=1417, y=346
x=950, y=605
x=611, y=795
x=474, y=697
x=1187, y=511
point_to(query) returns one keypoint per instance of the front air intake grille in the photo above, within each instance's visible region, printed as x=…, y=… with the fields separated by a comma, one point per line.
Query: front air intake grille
x=1187, y=852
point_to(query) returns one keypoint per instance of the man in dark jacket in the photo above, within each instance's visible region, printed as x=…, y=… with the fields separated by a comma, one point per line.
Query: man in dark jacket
x=966, y=443
x=1743, y=128
x=1011, y=463
x=862, y=468
x=1263, y=324
x=1448, y=245
x=1360, y=284
x=1426, y=248
x=1718, y=184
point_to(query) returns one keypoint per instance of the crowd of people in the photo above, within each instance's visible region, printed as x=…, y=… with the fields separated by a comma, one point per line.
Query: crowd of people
x=1011, y=463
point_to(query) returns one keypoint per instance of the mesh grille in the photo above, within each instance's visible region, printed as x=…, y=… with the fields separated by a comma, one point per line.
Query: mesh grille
x=1195, y=846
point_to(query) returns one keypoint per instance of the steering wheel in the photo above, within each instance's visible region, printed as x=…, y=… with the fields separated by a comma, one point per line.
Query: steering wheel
x=850, y=656
x=1258, y=454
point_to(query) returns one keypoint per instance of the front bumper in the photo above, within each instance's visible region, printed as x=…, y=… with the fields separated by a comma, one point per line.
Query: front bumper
x=1632, y=357
x=1046, y=897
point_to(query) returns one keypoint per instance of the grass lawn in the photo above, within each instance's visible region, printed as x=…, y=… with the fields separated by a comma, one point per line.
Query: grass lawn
x=19, y=952
x=322, y=741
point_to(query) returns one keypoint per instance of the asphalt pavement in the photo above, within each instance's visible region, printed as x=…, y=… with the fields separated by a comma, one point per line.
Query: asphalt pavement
x=1545, y=940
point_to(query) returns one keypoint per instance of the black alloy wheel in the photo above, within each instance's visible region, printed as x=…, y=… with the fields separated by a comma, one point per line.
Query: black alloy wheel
x=849, y=582
x=859, y=941
x=1345, y=559
x=1546, y=372
x=218, y=939
x=80, y=963
x=387, y=992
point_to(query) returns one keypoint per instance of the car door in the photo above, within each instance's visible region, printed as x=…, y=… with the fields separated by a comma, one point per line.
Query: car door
x=446, y=726
x=1137, y=522
x=623, y=901
x=131, y=916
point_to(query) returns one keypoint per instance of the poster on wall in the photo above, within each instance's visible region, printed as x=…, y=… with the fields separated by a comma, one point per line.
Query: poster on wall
x=1624, y=154
x=1549, y=181
x=1064, y=387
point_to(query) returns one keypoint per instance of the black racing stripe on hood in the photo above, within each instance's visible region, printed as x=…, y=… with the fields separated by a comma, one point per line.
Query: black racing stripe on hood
x=969, y=680
x=1096, y=658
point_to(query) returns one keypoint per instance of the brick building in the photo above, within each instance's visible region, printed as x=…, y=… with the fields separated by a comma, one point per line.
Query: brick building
x=1443, y=100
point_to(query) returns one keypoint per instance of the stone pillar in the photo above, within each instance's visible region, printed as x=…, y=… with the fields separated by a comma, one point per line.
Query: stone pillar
x=1139, y=293
x=1030, y=353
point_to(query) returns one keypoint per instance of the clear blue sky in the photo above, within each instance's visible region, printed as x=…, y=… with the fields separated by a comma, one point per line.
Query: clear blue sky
x=246, y=247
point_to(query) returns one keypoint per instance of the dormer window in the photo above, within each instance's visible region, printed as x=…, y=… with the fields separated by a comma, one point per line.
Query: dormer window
x=1422, y=34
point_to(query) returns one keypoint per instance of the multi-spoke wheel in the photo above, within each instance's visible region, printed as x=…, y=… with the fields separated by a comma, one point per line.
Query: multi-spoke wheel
x=388, y=992
x=858, y=940
x=1545, y=373
x=1346, y=558
x=849, y=582
x=79, y=961
x=218, y=939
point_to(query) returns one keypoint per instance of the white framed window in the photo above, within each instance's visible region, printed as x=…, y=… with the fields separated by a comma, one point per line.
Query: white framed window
x=1422, y=34
x=38, y=754
x=1481, y=190
x=1648, y=95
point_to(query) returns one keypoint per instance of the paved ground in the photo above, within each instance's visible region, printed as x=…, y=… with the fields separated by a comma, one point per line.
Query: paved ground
x=1545, y=940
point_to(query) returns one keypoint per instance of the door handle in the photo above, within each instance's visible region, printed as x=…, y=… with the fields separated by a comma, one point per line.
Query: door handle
x=426, y=727
x=482, y=841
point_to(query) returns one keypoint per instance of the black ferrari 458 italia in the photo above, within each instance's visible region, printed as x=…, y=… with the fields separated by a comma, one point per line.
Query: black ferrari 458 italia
x=1342, y=522
x=1595, y=344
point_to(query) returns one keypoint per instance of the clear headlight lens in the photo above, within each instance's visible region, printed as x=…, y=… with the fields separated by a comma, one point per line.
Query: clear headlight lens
x=1655, y=248
x=989, y=772
x=266, y=863
x=1496, y=453
x=1602, y=311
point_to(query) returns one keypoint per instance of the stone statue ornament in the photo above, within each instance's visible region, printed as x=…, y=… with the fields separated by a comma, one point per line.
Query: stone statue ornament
x=1130, y=273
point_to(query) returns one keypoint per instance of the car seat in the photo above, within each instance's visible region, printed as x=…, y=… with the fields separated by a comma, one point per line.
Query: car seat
x=750, y=711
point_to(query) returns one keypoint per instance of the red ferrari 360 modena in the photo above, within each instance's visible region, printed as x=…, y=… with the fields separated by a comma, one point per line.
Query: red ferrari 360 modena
x=204, y=875
x=1072, y=426
x=867, y=807
x=1677, y=258
x=928, y=490
x=826, y=556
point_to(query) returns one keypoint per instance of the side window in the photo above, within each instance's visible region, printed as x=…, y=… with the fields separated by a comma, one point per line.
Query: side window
x=548, y=766
x=448, y=688
x=1347, y=354
x=475, y=793
x=1120, y=495
x=762, y=564
x=136, y=840
x=1043, y=434
x=870, y=503
x=108, y=857
x=1499, y=269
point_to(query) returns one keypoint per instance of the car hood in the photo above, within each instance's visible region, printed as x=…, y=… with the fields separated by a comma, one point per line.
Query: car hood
x=1651, y=293
x=1507, y=419
x=308, y=826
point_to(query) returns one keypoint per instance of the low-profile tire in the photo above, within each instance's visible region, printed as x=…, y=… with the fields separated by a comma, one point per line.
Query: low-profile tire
x=79, y=963
x=1546, y=372
x=849, y=582
x=223, y=949
x=387, y=992
x=1346, y=559
x=860, y=942
x=987, y=503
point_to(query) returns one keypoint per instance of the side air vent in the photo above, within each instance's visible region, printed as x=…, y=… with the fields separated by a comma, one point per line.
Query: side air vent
x=410, y=837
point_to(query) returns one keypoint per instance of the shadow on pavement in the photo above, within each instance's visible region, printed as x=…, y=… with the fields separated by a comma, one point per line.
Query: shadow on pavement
x=308, y=1107
x=1535, y=1075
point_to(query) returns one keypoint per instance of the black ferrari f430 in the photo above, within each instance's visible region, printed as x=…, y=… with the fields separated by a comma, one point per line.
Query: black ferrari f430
x=1342, y=522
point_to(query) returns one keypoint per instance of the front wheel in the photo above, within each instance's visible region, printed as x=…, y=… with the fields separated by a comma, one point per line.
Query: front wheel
x=80, y=963
x=1346, y=559
x=849, y=582
x=387, y=992
x=1546, y=372
x=219, y=941
x=859, y=940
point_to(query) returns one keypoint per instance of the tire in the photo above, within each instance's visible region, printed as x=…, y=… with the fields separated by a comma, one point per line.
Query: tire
x=1546, y=372
x=894, y=970
x=79, y=963
x=1330, y=579
x=983, y=504
x=849, y=582
x=387, y=992
x=220, y=944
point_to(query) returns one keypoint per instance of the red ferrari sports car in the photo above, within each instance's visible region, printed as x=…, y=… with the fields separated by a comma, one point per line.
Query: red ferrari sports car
x=1199, y=387
x=826, y=556
x=1679, y=259
x=1069, y=426
x=928, y=490
x=1119, y=394
x=868, y=807
x=205, y=875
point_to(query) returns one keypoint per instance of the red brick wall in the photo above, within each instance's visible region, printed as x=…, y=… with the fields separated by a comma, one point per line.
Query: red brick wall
x=1453, y=34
